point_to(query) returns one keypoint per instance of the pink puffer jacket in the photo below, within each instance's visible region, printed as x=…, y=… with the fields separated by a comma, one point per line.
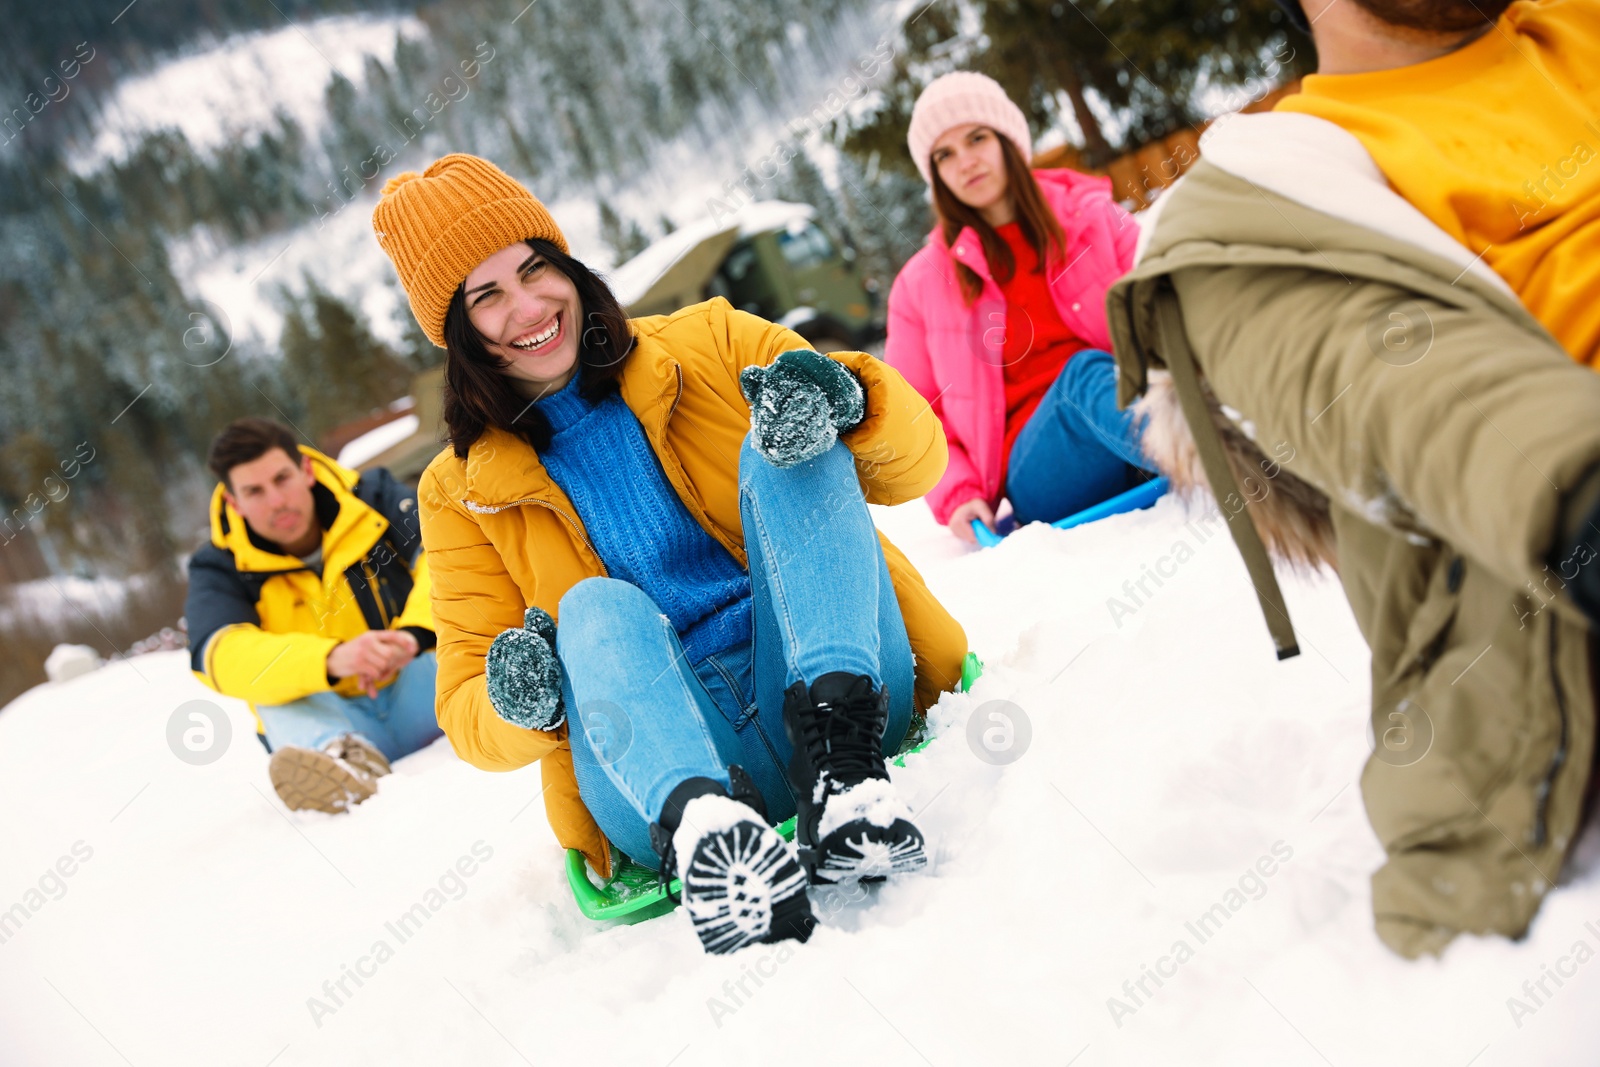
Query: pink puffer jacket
x=951, y=353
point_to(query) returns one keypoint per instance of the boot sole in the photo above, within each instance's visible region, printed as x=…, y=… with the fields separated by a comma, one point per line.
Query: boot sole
x=861, y=851
x=743, y=886
x=307, y=779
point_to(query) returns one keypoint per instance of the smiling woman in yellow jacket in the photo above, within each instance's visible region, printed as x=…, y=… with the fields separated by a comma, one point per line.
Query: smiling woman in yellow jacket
x=736, y=642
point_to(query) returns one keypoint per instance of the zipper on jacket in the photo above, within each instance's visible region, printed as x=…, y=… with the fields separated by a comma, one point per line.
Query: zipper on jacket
x=376, y=590
x=495, y=509
x=1546, y=784
x=679, y=371
x=698, y=512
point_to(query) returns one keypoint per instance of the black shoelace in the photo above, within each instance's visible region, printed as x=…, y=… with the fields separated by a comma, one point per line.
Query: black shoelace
x=841, y=738
x=669, y=865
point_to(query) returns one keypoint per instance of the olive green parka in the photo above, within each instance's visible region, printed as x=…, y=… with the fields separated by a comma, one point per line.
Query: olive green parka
x=1360, y=391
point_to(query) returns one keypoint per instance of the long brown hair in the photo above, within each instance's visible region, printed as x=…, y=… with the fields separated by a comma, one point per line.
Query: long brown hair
x=1037, y=222
x=478, y=395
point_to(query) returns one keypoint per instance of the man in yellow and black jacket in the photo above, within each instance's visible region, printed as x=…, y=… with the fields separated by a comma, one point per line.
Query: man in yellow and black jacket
x=311, y=603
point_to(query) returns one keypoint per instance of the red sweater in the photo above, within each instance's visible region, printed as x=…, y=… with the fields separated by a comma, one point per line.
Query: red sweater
x=1037, y=345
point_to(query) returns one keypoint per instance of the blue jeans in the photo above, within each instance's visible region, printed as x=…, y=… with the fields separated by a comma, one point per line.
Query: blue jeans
x=1077, y=448
x=641, y=719
x=399, y=720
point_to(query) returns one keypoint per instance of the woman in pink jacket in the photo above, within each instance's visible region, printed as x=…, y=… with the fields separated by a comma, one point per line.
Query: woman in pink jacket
x=1000, y=319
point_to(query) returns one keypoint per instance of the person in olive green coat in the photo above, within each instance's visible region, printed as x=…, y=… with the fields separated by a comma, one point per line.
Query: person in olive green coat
x=1361, y=389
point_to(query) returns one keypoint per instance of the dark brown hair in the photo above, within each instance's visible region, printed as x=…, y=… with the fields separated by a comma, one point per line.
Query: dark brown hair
x=243, y=440
x=1034, y=217
x=1437, y=16
x=478, y=395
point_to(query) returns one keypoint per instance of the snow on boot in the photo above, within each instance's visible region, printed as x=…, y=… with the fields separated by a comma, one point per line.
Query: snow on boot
x=359, y=753
x=319, y=779
x=741, y=882
x=851, y=824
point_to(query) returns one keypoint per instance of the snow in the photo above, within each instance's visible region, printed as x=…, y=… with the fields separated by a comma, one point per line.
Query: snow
x=240, y=85
x=709, y=814
x=66, y=662
x=243, y=283
x=876, y=801
x=64, y=596
x=245, y=77
x=377, y=441
x=1115, y=777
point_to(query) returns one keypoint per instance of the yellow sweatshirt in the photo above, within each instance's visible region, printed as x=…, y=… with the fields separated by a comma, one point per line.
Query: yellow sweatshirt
x=1498, y=143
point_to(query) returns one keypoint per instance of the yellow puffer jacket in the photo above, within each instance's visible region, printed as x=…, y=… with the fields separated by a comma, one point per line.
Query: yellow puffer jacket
x=261, y=623
x=500, y=534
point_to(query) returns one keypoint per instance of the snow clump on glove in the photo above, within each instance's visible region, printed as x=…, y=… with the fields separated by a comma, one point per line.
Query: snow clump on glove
x=525, y=675
x=799, y=405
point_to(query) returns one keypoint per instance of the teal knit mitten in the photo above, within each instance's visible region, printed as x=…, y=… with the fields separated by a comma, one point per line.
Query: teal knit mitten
x=525, y=675
x=799, y=404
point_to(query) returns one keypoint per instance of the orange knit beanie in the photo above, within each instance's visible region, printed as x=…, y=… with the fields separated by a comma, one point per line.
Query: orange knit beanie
x=438, y=225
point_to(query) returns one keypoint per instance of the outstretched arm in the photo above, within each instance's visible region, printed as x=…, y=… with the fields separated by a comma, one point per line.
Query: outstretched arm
x=1473, y=425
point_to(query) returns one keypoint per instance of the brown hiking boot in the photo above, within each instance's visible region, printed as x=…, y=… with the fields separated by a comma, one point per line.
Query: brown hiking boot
x=360, y=753
x=309, y=778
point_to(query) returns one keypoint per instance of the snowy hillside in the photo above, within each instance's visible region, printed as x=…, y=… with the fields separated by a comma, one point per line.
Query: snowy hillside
x=240, y=86
x=173, y=914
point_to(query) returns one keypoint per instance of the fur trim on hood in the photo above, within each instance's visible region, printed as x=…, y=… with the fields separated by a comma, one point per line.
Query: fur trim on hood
x=1290, y=514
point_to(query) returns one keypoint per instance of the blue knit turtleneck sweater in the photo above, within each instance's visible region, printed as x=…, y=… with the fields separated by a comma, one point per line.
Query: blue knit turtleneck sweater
x=601, y=459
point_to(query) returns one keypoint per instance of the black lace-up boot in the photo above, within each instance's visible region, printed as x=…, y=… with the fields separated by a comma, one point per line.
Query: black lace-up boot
x=851, y=825
x=741, y=883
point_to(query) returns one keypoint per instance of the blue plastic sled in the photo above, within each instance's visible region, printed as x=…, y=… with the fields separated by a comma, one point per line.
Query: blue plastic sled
x=1140, y=496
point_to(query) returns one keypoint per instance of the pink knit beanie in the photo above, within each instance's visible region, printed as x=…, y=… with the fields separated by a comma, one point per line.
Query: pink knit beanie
x=956, y=99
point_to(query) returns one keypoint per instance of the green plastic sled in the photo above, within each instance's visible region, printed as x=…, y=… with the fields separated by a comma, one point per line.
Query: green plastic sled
x=634, y=892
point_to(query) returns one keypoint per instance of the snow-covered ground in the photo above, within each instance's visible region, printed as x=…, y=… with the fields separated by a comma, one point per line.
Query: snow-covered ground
x=168, y=913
